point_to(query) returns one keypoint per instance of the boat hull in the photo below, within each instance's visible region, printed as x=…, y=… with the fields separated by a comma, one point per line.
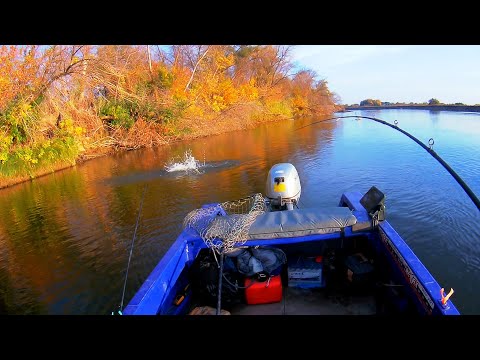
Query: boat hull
x=167, y=291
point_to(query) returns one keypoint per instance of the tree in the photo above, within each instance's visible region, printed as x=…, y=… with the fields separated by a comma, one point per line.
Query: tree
x=433, y=102
x=271, y=65
x=194, y=59
x=370, y=102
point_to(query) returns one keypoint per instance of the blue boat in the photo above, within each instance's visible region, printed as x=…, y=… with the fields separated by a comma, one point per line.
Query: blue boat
x=263, y=255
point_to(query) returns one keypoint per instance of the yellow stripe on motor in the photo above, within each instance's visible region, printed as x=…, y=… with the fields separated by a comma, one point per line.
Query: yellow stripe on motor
x=280, y=187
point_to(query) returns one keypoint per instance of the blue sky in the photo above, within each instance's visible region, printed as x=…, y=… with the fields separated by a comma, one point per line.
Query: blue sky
x=396, y=73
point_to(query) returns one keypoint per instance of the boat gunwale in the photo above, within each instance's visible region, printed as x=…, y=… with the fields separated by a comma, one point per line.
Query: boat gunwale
x=150, y=297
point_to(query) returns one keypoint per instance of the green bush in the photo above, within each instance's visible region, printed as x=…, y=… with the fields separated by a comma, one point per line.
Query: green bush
x=25, y=160
x=17, y=119
x=279, y=108
x=162, y=79
x=173, y=113
x=120, y=113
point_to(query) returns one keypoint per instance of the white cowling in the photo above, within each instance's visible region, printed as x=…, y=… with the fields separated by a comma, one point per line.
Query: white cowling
x=283, y=186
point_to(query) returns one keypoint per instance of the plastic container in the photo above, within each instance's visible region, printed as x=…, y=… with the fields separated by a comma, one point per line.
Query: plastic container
x=306, y=272
x=265, y=292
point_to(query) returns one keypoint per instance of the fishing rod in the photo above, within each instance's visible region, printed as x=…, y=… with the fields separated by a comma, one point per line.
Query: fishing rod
x=429, y=149
x=131, y=249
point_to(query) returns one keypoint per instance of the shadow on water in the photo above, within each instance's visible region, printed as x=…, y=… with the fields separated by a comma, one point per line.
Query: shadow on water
x=200, y=169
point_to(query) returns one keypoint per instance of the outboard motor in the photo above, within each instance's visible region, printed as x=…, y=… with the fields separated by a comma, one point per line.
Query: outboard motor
x=283, y=186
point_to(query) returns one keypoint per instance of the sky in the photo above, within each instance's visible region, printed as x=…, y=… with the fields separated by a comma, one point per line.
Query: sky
x=396, y=73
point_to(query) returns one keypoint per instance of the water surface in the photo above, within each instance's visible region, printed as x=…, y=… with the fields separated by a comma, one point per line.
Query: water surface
x=65, y=238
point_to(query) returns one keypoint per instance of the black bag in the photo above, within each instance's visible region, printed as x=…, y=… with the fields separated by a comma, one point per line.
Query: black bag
x=204, y=274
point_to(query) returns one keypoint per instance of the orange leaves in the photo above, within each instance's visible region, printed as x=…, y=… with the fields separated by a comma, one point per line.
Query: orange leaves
x=248, y=91
x=219, y=95
x=192, y=83
x=181, y=76
x=19, y=66
x=299, y=103
x=226, y=90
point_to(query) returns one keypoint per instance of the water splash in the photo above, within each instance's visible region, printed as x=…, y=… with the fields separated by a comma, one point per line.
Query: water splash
x=175, y=168
x=188, y=163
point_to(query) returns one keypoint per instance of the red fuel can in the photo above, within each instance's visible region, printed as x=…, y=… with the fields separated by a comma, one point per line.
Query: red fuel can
x=265, y=292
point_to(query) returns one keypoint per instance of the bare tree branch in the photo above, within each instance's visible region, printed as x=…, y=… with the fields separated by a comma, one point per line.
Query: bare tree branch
x=195, y=68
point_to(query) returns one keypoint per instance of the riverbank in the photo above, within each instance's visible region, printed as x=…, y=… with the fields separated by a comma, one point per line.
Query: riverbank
x=186, y=129
x=94, y=100
x=464, y=108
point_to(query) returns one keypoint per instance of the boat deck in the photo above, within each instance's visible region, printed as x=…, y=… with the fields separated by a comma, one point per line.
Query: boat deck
x=297, y=301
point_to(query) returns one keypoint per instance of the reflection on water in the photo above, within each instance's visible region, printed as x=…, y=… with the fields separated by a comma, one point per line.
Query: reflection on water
x=65, y=238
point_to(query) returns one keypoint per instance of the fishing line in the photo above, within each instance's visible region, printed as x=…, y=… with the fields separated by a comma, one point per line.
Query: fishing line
x=429, y=149
x=131, y=247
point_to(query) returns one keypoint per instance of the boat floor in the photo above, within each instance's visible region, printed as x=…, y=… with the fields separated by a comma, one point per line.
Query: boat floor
x=297, y=301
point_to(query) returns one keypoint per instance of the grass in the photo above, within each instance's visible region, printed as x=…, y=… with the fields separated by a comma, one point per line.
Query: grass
x=28, y=162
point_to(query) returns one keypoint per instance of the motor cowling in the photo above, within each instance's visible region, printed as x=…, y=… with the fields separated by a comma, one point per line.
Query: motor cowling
x=283, y=186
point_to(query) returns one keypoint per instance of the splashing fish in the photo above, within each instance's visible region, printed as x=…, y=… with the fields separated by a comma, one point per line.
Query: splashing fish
x=189, y=163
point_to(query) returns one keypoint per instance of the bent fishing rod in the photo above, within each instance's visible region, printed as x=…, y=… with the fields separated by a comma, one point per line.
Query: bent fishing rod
x=429, y=149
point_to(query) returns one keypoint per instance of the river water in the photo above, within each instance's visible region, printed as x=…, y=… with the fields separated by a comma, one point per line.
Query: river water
x=65, y=238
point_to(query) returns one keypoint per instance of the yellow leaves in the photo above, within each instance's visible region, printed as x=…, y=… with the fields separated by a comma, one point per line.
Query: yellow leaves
x=24, y=110
x=27, y=156
x=169, y=129
x=217, y=103
x=279, y=108
x=224, y=61
x=74, y=60
x=218, y=77
x=68, y=127
x=228, y=92
x=248, y=91
x=179, y=81
x=195, y=111
x=80, y=131
x=4, y=81
x=61, y=124
x=221, y=95
x=5, y=142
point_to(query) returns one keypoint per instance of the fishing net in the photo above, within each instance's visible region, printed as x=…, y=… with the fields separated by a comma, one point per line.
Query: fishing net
x=222, y=233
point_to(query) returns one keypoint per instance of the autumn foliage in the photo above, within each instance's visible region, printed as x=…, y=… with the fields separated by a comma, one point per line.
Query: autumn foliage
x=59, y=102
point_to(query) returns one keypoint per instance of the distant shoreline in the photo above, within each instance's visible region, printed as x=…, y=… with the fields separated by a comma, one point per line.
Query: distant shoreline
x=466, y=108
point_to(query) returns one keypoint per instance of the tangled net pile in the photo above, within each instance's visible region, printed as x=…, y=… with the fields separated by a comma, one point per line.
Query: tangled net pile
x=222, y=233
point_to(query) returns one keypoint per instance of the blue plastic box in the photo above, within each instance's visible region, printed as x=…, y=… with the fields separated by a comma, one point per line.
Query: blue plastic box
x=305, y=272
